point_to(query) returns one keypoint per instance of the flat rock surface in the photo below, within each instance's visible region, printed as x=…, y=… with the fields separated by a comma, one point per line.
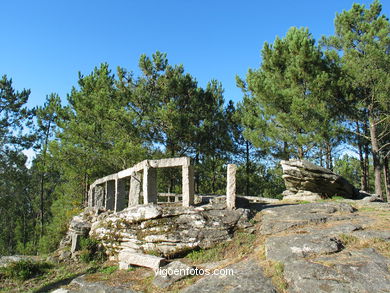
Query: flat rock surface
x=171, y=273
x=300, y=245
x=323, y=247
x=282, y=218
x=356, y=271
x=84, y=286
x=247, y=277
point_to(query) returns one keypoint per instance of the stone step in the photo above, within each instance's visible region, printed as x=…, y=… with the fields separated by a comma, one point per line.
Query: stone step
x=127, y=258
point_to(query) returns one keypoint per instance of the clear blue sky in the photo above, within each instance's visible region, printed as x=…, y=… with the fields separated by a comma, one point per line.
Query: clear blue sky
x=44, y=44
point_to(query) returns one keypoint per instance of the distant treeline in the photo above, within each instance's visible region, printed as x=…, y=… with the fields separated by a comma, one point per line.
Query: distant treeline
x=307, y=100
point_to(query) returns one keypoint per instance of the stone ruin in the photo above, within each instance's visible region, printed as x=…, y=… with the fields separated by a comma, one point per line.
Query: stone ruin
x=110, y=192
x=143, y=225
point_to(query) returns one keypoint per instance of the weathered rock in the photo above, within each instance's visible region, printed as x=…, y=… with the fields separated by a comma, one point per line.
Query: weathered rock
x=247, y=277
x=301, y=195
x=281, y=218
x=166, y=229
x=231, y=186
x=354, y=271
x=85, y=286
x=300, y=245
x=64, y=255
x=139, y=259
x=240, y=202
x=372, y=198
x=61, y=290
x=171, y=273
x=75, y=243
x=336, y=230
x=301, y=177
x=6, y=260
x=375, y=234
x=79, y=226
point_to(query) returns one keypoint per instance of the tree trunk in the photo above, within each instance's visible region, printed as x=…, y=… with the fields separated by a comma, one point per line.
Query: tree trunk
x=376, y=156
x=41, y=205
x=300, y=153
x=329, y=159
x=366, y=158
x=363, y=169
x=247, y=168
x=196, y=163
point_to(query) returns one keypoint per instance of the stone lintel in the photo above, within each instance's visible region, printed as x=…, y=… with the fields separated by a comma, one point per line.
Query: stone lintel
x=140, y=259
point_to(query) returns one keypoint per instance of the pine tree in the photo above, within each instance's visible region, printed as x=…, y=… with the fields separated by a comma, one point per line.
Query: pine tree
x=363, y=39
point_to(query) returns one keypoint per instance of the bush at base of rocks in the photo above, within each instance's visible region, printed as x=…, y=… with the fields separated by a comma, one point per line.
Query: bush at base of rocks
x=24, y=269
x=91, y=250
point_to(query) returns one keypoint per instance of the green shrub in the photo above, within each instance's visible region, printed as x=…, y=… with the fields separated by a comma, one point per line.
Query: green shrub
x=92, y=250
x=24, y=269
x=108, y=270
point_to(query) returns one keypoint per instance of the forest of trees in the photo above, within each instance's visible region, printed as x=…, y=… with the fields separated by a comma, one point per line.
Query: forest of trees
x=321, y=100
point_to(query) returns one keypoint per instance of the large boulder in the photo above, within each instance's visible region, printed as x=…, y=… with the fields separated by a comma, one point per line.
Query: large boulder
x=166, y=230
x=305, y=180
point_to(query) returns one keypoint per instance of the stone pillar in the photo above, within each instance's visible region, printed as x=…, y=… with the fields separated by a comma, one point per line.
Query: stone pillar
x=120, y=194
x=110, y=195
x=149, y=187
x=75, y=242
x=91, y=199
x=99, y=196
x=231, y=186
x=135, y=189
x=188, y=185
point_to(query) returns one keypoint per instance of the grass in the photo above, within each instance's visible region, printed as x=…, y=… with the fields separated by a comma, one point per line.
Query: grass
x=352, y=242
x=238, y=247
x=50, y=276
x=272, y=269
x=108, y=270
x=275, y=270
x=24, y=269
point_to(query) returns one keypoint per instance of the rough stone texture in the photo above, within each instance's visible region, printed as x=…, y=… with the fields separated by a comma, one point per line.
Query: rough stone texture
x=179, y=270
x=79, y=225
x=247, y=277
x=301, y=176
x=99, y=192
x=135, y=189
x=283, y=218
x=81, y=285
x=167, y=229
x=355, y=271
x=142, y=260
x=188, y=185
x=303, y=195
x=231, y=186
x=300, y=245
x=6, y=260
x=75, y=243
x=375, y=234
x=313, y=241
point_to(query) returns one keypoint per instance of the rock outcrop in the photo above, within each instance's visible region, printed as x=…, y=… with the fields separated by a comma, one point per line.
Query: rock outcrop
x=166, y=230
x=315, y=247
x=306, y=181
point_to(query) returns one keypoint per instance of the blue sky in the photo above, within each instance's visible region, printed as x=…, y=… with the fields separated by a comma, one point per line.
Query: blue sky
x=44, y=44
